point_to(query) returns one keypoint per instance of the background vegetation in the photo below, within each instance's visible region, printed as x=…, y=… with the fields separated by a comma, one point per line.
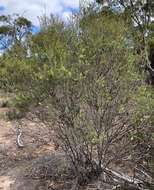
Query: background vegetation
x=92, y=78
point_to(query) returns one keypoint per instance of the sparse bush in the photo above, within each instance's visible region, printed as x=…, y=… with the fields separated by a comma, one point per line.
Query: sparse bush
x=14, y=114
x=93, y=100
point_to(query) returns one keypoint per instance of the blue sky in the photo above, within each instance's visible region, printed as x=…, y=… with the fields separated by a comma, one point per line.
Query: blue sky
x=34, y=8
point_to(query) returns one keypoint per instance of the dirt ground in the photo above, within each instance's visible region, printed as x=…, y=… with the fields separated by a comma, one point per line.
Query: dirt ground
x=14, y=161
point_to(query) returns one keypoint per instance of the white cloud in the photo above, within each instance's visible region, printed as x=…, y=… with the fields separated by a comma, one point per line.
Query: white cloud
x=66, y=15
x=34, y=8
x=70, y=3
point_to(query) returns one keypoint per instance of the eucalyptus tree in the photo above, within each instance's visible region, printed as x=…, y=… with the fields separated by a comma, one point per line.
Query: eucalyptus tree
x=141, y=13
x=14, y=29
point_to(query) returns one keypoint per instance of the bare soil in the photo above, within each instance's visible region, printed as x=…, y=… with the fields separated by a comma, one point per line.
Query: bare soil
x=14, y=161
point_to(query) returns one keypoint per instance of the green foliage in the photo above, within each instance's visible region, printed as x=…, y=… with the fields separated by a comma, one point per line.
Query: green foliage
x=145, y=102
x=88, y=78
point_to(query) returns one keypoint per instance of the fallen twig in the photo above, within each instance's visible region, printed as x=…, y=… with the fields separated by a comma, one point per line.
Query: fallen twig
x=19, y=134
